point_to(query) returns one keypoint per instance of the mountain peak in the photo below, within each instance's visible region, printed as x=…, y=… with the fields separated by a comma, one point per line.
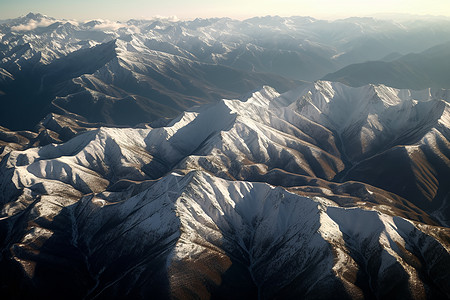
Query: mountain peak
x=35, y=16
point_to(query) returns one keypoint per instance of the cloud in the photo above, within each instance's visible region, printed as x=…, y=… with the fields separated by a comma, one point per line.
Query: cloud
x=134, y=29
x=166, y=18
x=108, y=25
x=33, y=24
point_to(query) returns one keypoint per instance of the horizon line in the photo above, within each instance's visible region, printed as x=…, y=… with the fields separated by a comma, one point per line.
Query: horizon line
x=175, y=18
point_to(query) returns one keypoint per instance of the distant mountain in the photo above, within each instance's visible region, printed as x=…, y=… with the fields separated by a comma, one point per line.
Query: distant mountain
x=162, y=67
x=413, y=71
x=324, y=191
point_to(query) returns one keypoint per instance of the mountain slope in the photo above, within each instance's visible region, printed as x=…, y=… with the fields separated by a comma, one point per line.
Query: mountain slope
x=143, y=85
x=380, y=129
x=209, y=236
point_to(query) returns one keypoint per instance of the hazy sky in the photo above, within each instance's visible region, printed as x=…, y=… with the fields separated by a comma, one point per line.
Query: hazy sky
x=127, y=9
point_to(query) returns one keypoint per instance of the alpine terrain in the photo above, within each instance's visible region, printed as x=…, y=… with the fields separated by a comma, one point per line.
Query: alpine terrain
x=159, y=159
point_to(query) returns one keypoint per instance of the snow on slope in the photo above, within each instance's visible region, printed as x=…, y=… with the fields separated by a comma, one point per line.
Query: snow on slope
x=240, y=130
x=372, y=118
x=273, y=228
x=202, y=227
x=240, y=140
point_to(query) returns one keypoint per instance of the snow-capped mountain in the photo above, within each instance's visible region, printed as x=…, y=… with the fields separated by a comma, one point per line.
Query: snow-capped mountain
x=135, y=163
x=292, y=195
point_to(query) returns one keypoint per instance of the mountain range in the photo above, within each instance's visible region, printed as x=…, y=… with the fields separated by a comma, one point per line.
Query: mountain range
x=279, y=195
x=202, y=159
x=104, y=71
